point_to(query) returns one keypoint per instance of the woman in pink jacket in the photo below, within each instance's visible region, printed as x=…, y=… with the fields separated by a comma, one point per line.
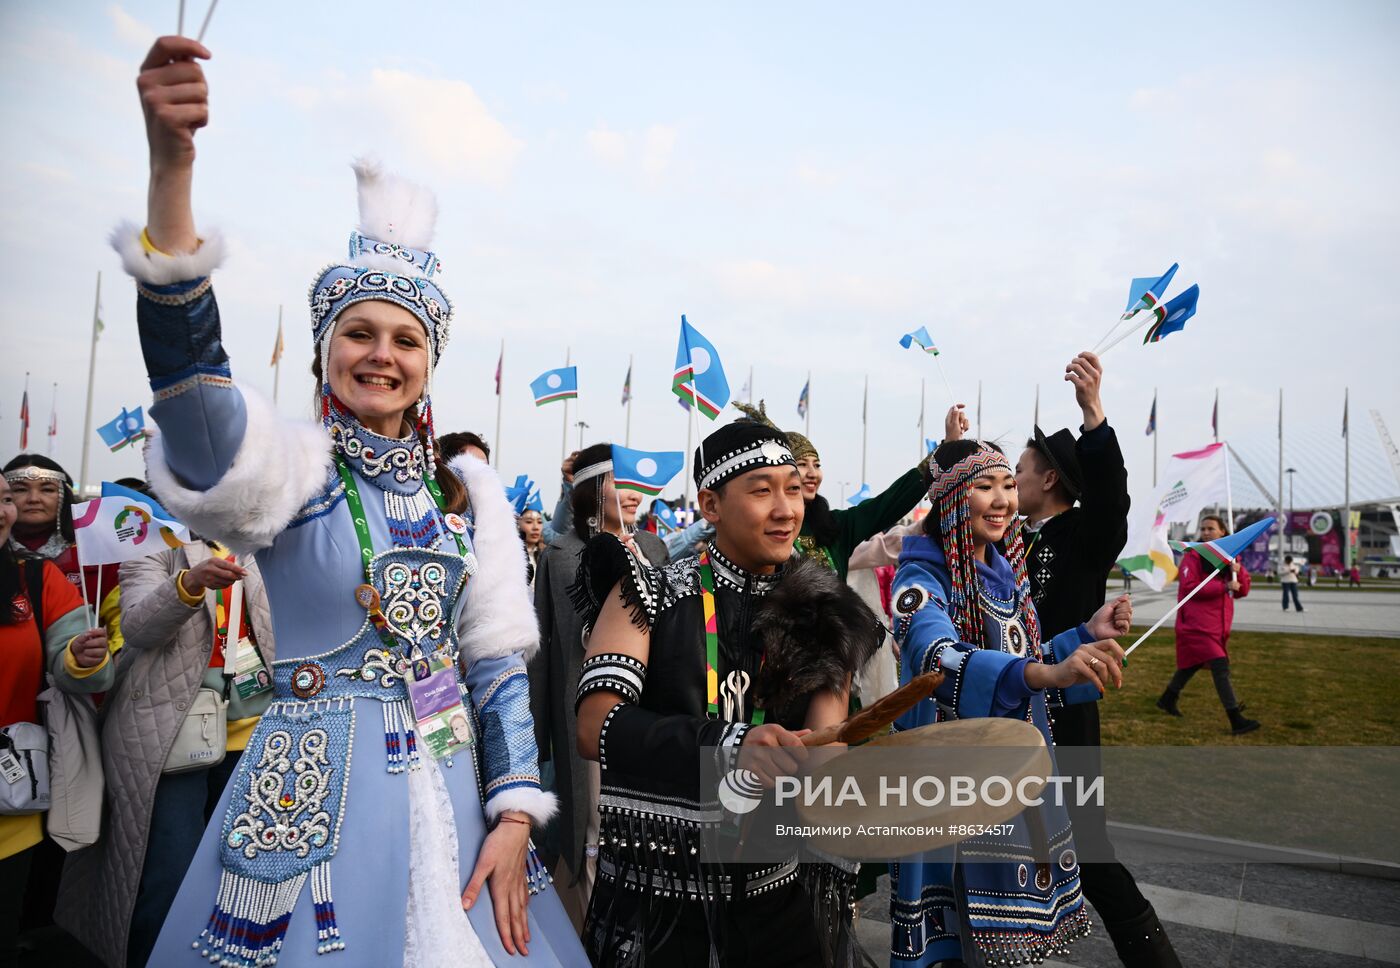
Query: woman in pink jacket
x=1203, y=628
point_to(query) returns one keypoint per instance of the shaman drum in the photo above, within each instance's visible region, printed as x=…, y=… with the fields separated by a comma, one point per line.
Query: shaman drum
x=922, y=788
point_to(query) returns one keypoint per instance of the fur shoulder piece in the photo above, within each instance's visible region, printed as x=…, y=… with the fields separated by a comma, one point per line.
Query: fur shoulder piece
x=259, y=494
x=815, y=631
x=499, y=618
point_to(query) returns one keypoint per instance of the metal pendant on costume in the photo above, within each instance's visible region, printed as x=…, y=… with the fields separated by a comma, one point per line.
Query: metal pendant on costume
x=732, y=693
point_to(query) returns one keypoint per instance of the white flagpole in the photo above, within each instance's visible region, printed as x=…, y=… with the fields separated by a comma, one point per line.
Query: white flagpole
x=180, y=21
x=92, y=375
x=1346, y=522
x=564, y=447
x=1158, y=624
x=864, y=427
x=207, y=17
x=1036, y=422
x=1283, y=532
x=1128, y=332
x=922, y=438
x=53, y=417
x=808, y=431
x=1229, y=496
x=979, y=409
x=689, y=463
x=82, y=579
x=500, y=395
x=952, y=400
x=97, y=594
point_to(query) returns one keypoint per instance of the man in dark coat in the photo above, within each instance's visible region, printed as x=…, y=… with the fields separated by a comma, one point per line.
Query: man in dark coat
x=1070, y=552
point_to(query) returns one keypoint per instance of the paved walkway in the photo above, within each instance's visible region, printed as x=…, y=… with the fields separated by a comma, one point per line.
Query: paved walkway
x=1325, y=613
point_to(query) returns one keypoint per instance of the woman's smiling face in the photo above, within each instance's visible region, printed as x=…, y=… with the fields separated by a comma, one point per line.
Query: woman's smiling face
x=379, y=363
x=992, y=504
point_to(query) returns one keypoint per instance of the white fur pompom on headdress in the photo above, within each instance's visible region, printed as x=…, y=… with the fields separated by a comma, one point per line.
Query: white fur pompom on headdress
x=394, y=209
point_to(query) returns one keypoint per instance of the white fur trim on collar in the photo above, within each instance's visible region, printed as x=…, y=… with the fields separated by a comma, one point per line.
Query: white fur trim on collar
x=499, y=617
x=164, y=270
x=280, y=465
x=539, y=804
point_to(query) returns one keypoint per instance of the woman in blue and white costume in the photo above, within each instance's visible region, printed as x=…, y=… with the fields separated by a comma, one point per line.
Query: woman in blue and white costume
x=962, y=604
x=339, y=834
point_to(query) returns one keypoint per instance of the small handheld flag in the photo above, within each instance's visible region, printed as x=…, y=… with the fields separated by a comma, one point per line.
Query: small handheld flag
x=1222, y=551
x=552, y=385
x=1219, y=552
x=120, y=528
x=861, y=495
x=524, y=495
x=647, y=472
x=930, y=445
x=921, y=337
x=661, y=512
x=699, y=375
x=128, y=427
x=803, y=399
x=1147, y=293
x=1173, y=316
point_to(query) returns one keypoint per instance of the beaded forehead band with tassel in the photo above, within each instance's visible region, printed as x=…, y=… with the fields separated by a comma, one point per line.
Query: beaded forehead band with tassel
x=32, y=473
x=949, y=494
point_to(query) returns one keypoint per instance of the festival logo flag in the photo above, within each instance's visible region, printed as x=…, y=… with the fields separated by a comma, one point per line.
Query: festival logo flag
x=661, y=513
x=645, y=471
x=1147, y=293
x=861, y=495
x=1193, y=481
x=1152, y=418
x=1173, y=316
x=627, y=386
x=1222, y=551
x=128, y=427
x=921, y=337
x=122, y=528
x=803, y=399
x=551, y=385
x=278, y=346
x=24, y=420
x=699, y=374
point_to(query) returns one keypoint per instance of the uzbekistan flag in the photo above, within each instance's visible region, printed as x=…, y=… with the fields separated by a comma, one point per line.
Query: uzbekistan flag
x=645, y=471
x=1146, y=293
x=1222, y=551
x=921, y=337
x=551, y=385
x=699, y=376
x=1173, y=315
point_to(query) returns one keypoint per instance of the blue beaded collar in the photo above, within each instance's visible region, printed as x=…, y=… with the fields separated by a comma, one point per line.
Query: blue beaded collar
x=393, y=464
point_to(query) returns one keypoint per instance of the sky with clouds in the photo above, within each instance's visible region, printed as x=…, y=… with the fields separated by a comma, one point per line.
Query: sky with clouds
x=805, y=181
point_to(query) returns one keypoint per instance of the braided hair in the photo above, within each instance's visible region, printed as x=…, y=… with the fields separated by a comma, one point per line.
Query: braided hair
x=956, y=464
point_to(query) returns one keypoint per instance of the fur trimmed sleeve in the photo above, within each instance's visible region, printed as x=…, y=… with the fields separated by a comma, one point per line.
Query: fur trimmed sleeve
x=280, y=464
x=499, y=616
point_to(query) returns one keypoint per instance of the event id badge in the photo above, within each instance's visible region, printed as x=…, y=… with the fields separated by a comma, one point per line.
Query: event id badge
x=250, y=676
x=444, y=726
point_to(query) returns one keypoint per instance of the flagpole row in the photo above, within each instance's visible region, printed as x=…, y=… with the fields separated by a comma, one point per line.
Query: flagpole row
x=1172, y=611
x=92, y=376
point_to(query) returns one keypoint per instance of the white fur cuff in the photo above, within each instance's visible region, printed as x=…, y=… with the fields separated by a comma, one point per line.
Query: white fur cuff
x=165, y=270
x=280, y=465
x=539, y=804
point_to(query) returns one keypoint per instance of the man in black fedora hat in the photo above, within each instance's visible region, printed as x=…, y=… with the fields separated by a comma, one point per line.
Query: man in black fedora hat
x=1071, y=550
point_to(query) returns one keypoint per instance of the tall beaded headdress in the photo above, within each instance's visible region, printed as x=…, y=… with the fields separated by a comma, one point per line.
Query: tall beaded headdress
x=389, y=260
x=949, y=494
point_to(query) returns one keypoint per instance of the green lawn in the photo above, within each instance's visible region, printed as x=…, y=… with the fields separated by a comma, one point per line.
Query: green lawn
x=1307, y=690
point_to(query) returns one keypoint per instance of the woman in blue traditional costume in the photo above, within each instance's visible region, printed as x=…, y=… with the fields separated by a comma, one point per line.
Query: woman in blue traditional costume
x=397, y=761
x=962, y=604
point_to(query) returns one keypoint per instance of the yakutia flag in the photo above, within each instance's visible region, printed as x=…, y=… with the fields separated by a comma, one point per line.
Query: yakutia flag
x=122, y=528
x=551, y=385
x=647, y=472
x=1224, y=550
x=699, y=377
x=1173, y=315
x=1146, y=293
x=1192, y=481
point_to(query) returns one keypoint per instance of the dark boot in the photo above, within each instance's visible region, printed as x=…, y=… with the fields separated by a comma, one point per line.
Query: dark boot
x=1239, y=725
x=1167, y=702
x=1142, y=942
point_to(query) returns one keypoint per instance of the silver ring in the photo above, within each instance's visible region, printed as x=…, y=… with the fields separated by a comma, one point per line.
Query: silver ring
x=1094, y=663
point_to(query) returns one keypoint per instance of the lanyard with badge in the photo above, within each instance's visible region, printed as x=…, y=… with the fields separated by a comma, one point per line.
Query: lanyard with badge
x=249, y=677
x=443, y=723
x=737, y=683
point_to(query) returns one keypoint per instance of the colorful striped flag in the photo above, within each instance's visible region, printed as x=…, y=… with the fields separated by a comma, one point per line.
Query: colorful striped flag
x=627, y=386
x=699, y=374
x=921, y=337
x=552, y=385
x=1152, y=417
x=127, y=427
x=647, y=472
